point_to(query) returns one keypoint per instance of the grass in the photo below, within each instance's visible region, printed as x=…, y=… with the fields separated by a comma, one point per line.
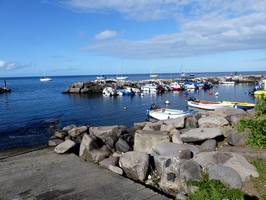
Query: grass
x=260, y=182
x=214, y=190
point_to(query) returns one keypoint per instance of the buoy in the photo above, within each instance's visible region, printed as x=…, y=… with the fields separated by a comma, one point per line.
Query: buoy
x=125, y=108
x=216, y=93
x=167, y=102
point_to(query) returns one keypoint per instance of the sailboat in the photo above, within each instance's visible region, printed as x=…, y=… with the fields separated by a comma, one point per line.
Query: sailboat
x=45, y=79
x=121, y=78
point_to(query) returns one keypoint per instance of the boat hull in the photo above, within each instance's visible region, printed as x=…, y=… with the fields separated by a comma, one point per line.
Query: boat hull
x=165, y=114
x=209, y=105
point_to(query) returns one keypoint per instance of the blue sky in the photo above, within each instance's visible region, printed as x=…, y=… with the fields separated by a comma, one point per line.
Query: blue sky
x=72, y=37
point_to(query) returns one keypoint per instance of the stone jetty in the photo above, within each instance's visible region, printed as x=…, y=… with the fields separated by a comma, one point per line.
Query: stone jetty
x=97, y=86
x=165, y=155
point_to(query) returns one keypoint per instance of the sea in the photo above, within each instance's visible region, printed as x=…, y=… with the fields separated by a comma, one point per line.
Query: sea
x=29, y=110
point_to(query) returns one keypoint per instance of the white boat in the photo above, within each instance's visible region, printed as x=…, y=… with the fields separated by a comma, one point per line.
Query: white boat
x=154, y=76
x=175, y=86
x=149, y=88
x=45, y=79
x=228, y=82
x=190, y=86
x=209, y=105
x=108, y=91
x=164, y=114
x=101, y=77
x=121, y=78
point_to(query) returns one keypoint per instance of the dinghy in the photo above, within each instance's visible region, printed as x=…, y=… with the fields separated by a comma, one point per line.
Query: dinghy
x=164, y=114
x=241, y=105
x=208, y=105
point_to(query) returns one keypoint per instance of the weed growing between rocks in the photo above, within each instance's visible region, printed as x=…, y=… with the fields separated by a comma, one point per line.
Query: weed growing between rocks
x=260, y=182
x=256, y=126
x=214, y=190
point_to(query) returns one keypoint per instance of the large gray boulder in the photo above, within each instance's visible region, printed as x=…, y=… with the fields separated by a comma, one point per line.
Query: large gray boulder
x=97, y=155
x=227, y=112
x=174, y=173
x=109, y=161
x=122, y=146
x=69, y=127
x=54, y=142
x=176, y=138
x=105, y=132
x=229, y=159
x=176, y=123
x=226, y=175
x=201, y=134
x=87, y=144
x=60, y=134
x=135, y=164
x=237, y=139
x=208, y=145
x=182, y=151
x=212, y=121
x=77, y=131
x=150, y=126
x=64, y=146
x=145, y=140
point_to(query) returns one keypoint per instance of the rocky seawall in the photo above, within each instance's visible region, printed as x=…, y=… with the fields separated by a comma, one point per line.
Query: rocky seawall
x=166, y=155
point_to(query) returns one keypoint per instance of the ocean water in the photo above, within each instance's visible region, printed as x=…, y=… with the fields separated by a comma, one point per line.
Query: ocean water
x=26, y=112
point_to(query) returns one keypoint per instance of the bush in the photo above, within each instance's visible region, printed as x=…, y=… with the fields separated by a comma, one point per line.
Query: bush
x=256, y=126
x=260, y=182
x=214, y=190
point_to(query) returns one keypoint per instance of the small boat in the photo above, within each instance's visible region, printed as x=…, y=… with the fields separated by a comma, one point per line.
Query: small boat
x=108, y=91
x=175, y=86
x=228, y=82
x=154, y=76
x=45, y=79
x=121, y=78
x=209, y=105
x=101, y=77
x=241, y=105
x=149, y=88
x=164, y=114
x=128, y=92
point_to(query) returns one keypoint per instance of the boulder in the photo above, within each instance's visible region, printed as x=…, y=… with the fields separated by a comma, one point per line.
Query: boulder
x=174, y=173
x=108, y=134
x=191, y=122
x=145, y=140
x=60, y=134
x=208, y=145
x=229, y=159
x=176, y=123
x=74, y=90
x=234, y=119
x=176, y=138
x=87, y=144
x=167, y=127
x=77, y=131
x=135, y=164
x=115, y=169
x=54, y=142
x=109, y=161
x=227, y=112
x=212, y=121
x=122, y=146
x=153, y=126
x=237, y=139
x=97, y=155
x=226, y=175
x=69, y=127
x=64, y=146
x=182, y=151
x=201, y=134
x=140, y=125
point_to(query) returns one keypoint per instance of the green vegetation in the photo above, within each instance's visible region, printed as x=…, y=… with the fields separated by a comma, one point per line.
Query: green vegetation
x=256, y=126
x=260, y=182
x=214, y=190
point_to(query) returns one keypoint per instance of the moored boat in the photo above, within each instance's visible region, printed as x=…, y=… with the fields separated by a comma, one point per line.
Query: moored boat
x=208, y=105
x=149, y=88
x=228, y=82
x=164, y=114
x=45, y=79
x=175, y=86
x=241, y=105
x=121, y=78
x=108, y=91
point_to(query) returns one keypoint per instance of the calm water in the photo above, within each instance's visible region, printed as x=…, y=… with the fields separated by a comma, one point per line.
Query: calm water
x=26, y=112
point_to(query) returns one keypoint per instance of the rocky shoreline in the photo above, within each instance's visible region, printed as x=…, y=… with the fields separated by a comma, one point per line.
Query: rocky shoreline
x=166, y=155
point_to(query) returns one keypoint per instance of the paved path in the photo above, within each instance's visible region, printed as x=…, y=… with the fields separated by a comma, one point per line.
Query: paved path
x=45, y=175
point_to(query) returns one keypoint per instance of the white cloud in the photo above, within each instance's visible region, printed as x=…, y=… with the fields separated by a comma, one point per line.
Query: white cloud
x=107, y=34
x=5, y=65
x=206, y=26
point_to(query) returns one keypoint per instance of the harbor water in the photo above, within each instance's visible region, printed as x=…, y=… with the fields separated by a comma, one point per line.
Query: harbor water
x=27, y=112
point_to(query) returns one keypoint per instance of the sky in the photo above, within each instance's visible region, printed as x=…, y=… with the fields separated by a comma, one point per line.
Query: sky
x=87, y=37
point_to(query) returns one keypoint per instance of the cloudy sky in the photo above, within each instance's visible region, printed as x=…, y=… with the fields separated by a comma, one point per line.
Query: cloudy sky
x=72, y=37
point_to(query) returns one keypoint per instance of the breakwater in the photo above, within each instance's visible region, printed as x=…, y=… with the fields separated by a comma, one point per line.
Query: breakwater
x=165, y=154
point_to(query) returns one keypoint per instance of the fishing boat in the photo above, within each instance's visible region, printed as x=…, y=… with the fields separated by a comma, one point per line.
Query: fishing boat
x=45, y=79
x=164, y=114
x=175, y=86
x=209, y=105
x=108, y=91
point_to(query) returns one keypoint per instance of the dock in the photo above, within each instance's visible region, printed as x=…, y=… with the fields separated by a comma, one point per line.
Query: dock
x=43, y=174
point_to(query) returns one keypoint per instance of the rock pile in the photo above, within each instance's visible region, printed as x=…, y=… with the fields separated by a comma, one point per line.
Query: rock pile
x=164, y=154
